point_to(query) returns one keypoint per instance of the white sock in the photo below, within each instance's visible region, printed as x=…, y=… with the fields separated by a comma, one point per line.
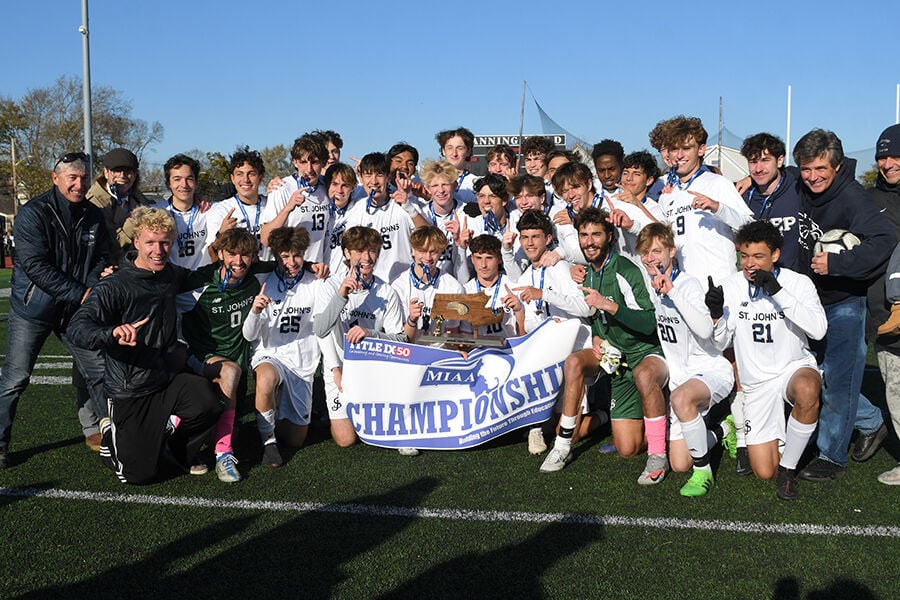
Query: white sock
x=737, y=411
x=795, y=442
x=265, y=423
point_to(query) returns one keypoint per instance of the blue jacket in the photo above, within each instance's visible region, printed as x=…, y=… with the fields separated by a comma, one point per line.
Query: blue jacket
x=59, y=254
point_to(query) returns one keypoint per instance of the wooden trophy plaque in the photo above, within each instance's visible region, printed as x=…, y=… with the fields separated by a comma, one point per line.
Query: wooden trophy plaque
x=464, y=307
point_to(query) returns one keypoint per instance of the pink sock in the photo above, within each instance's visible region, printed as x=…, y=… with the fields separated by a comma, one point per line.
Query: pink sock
x=655, y=428
x=224, y=428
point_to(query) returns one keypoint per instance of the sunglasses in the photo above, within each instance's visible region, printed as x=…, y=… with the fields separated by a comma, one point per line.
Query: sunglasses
x=70, y=157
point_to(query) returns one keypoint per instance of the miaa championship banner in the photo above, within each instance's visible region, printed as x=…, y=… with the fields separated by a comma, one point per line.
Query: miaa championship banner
x=405, y=395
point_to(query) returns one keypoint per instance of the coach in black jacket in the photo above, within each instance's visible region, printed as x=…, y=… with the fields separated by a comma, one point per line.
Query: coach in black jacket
x=131, y=315
x=61, y=250
x=833, y=199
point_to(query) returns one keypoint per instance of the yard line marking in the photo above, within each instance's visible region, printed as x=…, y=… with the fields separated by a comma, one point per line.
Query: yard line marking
x=51, y=356
x=461, y=514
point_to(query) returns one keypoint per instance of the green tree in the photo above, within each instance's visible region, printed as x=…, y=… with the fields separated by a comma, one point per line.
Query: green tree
x=869, y=178
x=47, y=122
x=277, y=161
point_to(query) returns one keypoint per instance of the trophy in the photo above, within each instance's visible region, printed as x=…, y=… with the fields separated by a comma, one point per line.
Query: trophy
x=464, y=307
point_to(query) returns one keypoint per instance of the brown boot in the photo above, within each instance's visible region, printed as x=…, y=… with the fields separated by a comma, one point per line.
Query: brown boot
x=892, y=325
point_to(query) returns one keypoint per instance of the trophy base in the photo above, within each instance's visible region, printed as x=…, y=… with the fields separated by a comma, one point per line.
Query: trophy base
x=466, y=340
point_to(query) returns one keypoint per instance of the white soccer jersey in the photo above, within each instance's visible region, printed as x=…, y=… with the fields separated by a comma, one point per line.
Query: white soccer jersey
x=192, y=233
x=480, y=226
x=248, y=217
x=494, y=299
x=376, y=309
x=769, y=332
x=685, y=331
x=407, y=288
x=561, y=297
x=394, y=225
x=626, y=239
x=453, y=258
x=312, y=215
x=284, y=329
x=704, y=240
x=465, y=187
x=337, y=225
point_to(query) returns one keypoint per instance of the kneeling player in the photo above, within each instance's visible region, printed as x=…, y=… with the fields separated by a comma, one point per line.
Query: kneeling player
x=624, y=328
x=769, y=312
x=361, y=305
x=699, y=375
x=285, y=353
x=221, y=296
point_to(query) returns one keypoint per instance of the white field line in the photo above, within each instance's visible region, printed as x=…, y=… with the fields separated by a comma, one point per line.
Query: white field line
x=461, y=515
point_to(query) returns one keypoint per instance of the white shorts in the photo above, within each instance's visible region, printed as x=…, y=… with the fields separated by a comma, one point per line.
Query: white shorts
x=337, y=408
x=718, y=379
x=293, y=394
x=764, y=419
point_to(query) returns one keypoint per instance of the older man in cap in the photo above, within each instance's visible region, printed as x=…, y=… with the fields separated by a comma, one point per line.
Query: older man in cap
x=116, y=194
x=62, y=251
x=886, y=195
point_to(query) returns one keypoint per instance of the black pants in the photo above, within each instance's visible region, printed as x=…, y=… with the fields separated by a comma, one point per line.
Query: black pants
x=132, y=446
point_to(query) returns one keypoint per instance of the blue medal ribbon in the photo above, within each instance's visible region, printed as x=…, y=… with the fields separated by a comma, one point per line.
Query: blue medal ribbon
x=240, y=205
x=754, y=291
x=190, y=226
x=427, y=279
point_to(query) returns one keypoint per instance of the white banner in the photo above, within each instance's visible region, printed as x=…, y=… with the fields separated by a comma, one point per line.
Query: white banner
x=404, y=395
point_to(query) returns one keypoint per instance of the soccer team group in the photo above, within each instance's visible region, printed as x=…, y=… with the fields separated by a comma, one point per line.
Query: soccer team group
x=167, y=308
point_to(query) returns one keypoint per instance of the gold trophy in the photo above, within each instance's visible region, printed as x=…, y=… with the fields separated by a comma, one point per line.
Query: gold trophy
x=464, y=307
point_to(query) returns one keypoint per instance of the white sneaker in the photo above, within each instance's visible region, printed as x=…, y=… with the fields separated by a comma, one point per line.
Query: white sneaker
x=536, y=443
x=891, y=477
x=556, y=460
x=655, y=471
x=408, y=451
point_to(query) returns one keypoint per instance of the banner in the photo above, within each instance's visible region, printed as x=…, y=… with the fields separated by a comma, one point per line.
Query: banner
x=404, y=395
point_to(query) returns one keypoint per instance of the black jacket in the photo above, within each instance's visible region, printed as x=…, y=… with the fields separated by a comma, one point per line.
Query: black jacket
x=845, y=205
x=60, y=252
x=127, y=296
x=887, y=200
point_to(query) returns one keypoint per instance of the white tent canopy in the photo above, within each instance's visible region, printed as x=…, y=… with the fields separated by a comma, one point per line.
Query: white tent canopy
x=733, y=165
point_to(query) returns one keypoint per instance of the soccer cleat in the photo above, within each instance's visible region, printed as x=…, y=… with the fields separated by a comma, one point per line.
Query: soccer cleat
x=742, y=462
x=226, y=468
x=891, y=477
x=556, y=460
x=701, y=481
x=271, y=456
x=4, y=458
x=536, y=443
x=729, y=442
x=655, y=471
x=787, y=484
x=820, y=470
x=408, y=451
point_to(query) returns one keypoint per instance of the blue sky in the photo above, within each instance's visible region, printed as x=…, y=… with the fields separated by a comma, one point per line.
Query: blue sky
x=219, y=74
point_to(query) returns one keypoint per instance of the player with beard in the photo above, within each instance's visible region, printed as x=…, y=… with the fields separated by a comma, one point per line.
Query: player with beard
x=213, y=313
x=624, y=345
